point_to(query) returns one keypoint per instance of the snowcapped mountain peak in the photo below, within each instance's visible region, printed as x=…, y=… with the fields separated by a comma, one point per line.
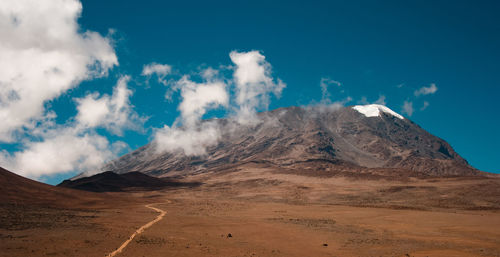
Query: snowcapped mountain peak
x=295, y=137
x=373, y=110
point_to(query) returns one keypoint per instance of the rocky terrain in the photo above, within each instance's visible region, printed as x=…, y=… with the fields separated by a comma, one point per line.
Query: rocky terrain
x=341, y=140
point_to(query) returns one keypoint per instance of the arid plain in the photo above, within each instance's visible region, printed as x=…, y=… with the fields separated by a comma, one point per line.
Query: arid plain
x=255, y=210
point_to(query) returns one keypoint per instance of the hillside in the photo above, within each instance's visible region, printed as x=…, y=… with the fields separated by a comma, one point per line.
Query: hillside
x=20, y=191
x=349, y=139
x=112, y=182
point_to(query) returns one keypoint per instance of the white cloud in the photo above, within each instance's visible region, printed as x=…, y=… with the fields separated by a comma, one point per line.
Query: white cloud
x=75, y=146
x=431, y=89
x=254, y=84
x=197, y=98
x=62, y=150
x=161, y=71
x=194, y=136
x=114, y=112
x=190, y=140
x=408, y=108
x=43, y=53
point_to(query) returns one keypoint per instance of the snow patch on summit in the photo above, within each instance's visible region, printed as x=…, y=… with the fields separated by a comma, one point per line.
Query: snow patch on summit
x=373, y=110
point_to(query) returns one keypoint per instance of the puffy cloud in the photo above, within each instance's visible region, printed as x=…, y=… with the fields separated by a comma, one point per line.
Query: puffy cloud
x=197, y=98
x=61, y=150
x=194, y=136
x=190, y=140
x=431, y=89
x=75, y=146
x=43, y=53
x=111, y=112
x=254, y=84
x=161, y=71
x=408, y=108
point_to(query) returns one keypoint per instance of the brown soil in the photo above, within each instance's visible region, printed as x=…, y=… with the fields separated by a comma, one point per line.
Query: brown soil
x=257, y=211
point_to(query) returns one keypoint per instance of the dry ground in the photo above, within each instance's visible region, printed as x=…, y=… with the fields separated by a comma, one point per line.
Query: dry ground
x=256, y=211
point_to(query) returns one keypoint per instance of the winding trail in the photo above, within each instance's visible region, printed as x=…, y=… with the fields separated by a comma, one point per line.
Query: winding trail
x=140, y=230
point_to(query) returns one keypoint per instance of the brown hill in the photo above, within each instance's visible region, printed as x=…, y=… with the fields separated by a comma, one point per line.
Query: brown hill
x=17, y=190
x=111, y=182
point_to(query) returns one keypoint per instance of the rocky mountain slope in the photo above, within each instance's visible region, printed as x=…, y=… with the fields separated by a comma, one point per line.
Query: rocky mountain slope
x=349, y=139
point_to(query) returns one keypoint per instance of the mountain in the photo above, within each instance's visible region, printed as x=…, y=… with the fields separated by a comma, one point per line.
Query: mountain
x=111, y=182
x=348, y=139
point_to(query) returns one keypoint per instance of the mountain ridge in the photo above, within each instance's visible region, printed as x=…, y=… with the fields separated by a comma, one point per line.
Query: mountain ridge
x=337, y=138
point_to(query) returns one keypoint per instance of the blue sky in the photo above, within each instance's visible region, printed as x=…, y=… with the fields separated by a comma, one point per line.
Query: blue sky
x=372, y=48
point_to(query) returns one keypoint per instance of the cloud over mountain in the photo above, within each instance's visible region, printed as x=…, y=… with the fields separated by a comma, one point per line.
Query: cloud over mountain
x=253, y=84
x=187, y=133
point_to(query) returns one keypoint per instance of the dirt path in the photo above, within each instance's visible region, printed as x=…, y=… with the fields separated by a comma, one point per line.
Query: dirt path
x=140, y=230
